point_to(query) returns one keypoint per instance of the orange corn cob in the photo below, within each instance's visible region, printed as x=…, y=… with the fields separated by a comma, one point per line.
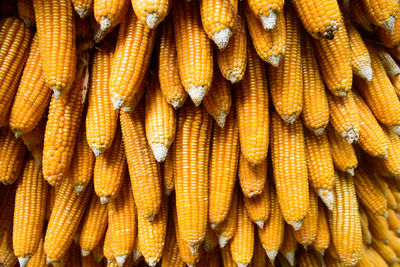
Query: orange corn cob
x=290, y=174
x=323, y=237
x=393, y=221
x=219, y=19
x=315, y=103
x=101, y=119
x=382, y=13
x=191, y=180
x=7, y=257
x=308, y=231
x=194, y=50
x=171, y=256
x=270, y=45
x=376, y=257
x=226, y=256
x=343, y=154
x=132, y=56
x=390, y=165
x=97, y=252
x=222, y=169
x=394, y=242
x=391, y=67
x=258, y=207
x=385, y=251
x=267, y=11
x=64, y=220
x=286, y=80
x=39, y=258
x=390, y=39
x=109, y=13
x=366, y=234
x=252, y=110
x=252, y=178
x=232, y=60
x=168, y=72
x=15, y=39
x=107, y=250
x=168, y=172
x=151, y=12
x=143, y=168
x=93, y=225
x=391, y=200
x=26, y=12
x=360, y=16
x=320, y=166
x=289, y=245
x=378, y=227
x=32, y=95
x=160, y=120
x=227, y=228
x=29, y=211
x=12, y=153
x=83, y=7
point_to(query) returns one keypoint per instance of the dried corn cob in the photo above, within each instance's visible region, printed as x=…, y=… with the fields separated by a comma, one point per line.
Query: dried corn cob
x=366, y=234
x=83, y=7
x=252, y=178
x=7, y=257
x=227, y=259
x=168, y=172
x=323, y=237
x=393, y=221
x=385, y=251
x=376, y=257
x=227, y=228
x=390, y=39
x=382, y=13
x=391, y=165
x=171, y=255
x=391, y=67
x=308, y=231
x=360, y=16
x=39, y=258
x=267, y=11
x=151, y=12
x=110, y=13
x=394, y=243
x=26, y=12
x=289, y=245
x=258, y=207
x=378, y=227
x=107, y=250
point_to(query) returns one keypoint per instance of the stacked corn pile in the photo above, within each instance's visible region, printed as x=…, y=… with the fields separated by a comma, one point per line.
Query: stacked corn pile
x=128, y=138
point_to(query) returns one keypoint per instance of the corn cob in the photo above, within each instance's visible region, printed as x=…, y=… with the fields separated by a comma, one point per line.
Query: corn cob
x=143, y=168
x=391, y=200
x=168, y=172
x=132, y=56
x=84, y=34
x=360, y=16
x=331, y=251
x=39, y=258
x=227, y=259
x=334, y=58
x=323, y=237
x=270, y=45
x=227, y=228
x=191, y=180
x=64, y=220
x=320, y=166
x=122, y=223
x=171, y=255
x=29, y=211
x=101, y=119
x=26, y=12
x=391, y=67
x=12, y=153
x=7, y=257
x=210, y=240
x=289, y=245
x=107, y=250
x=343, y=154
x=242, y=244
x=267, y=11
x=110, y=13
x=219, y=19
x=390, y=40
x=110, y=170
x=15, y=39
x=251, y=98
x=308, y=258
x=315, y=112
x=286, y=80
x=378, y=227
x=160, y=121
x=93, y=225
x=394, y=243
x=391, y=165
x=393, y=221
x=258, y=207
x=271, y=235
x=151, y=12
x=219, y=100
x=345, y=212
x=222, y=169
x=366, y=234
x=308, y=231
x=232, y=61
x=376, y=257
x=259, y=255
x=385, y=251
x=382, y=13
x=97, y=252
x=290, y=174
x=83, y=7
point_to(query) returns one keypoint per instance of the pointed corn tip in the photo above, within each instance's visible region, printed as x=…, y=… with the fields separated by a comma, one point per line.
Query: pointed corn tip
x=23, y=261
x=290, y=256
x=242, y=264
x=17, y=133
x=136, y=255
x=365, y=73
x=384, y=156
x=152, y=20
x=222, y=241
x=327, y=197
x=117, y=101
x=96, y=150
x=85, y=252
x=221, y=38
x=319, y=131
x=220, y=119
x=385, y=214
x=191, y=265
x=79, y=188
x=388, y=24
x=350, y=170
x=152, y=261
x=56, y=92
x=38, y=162
x=160, y=152
x=48, y=260
x=167, y=191
x=82, y=12
x=289, y=119
x=193, y=249
x=296, y=225
x=176, y=104
x=351, y=135
x=398, y=231
x=121, y=260
x=269, y=21
x=213, y=226
x=271, y=255
x=104, y=200
x=330, y=30
x=260, y=224
x=274, y=60
x=322, y=252
x=341, y=92
x=197, y=94
x=396, y=129
x=105, y=24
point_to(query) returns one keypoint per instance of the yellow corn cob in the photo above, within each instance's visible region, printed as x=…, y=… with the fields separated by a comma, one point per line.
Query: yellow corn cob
x=344, y=116
x=51, y=197
x=151, y=12
x=160, y=121
x=259, y=255
x=64, y=220
x=219, y=19
x=385, y=251
x=132, y=56
x=382, y=13
x=191, y=180
x=343, y=154
x=391, y=165
x=222, y=169
x=7, y=257
x=97, y=252
x=15, y=39
x=366, y=234
x=251, y=98
x=394, y=242
x=107, y=250
x=323, y=237
x=101, y=119
x=380, y=94
x=29, y=211
x=393, y=221
x=194, y=51
x=143, y=168
x=391, y=200
x=270, y=45
x=360, y=16
x=93, y=225
x=320, y=166
x=271, y=235
x=122, y=223
x=62, y=127
x=334, y=58
x=26, y=12
x=55, y=23
x=110, y=170
x=168, y=172
x=290, y=174
x=252, y=178
x=210, y=240
x=391, y=67
x=39, y=258
x=32, y=95
x=12, y=153
x=227, y=228
x=258, y=207
x=83, y=7
x=331, y=251
x=242, y=244
x=321, y=21
x=232, y=60
x=286, y=80
x=347, y=240
x=308, y=231
x=315, y=112
x=376, y=257
x=226, y=256
x=360, y=60
x=109, y=13
x=168, y=72
x=390, y=40
x=289, y=245
x=170, y=256
x=151, y=235
x=267, y=11
x=219, y=100
x=308, y=259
